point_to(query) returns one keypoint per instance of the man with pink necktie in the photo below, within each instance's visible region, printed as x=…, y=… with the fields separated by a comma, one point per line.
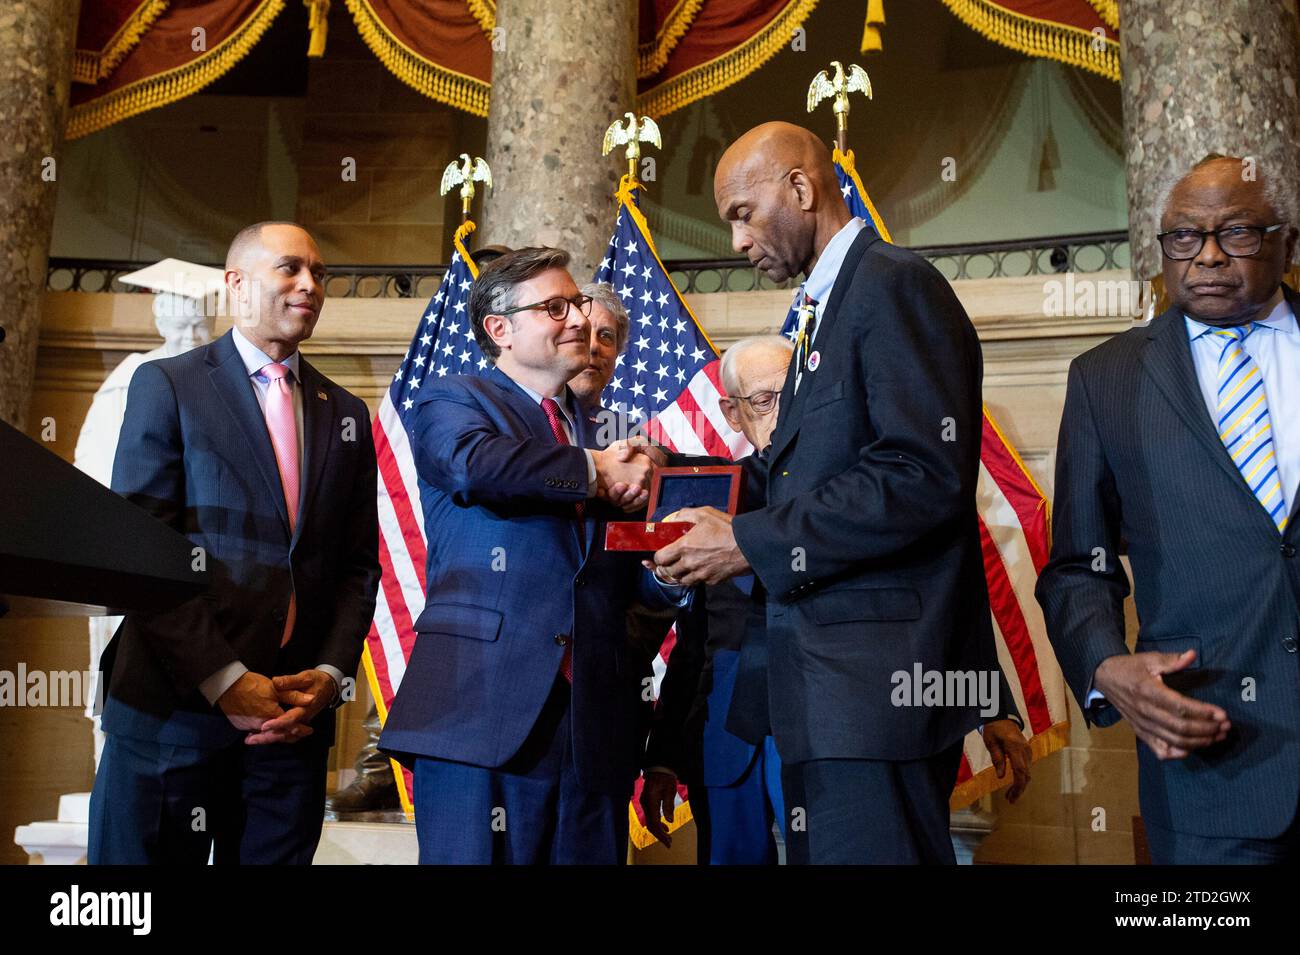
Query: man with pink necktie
x=219, y=713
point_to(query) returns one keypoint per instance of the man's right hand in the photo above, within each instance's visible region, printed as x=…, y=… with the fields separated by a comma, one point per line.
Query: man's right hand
x=250, y=701
x=658, y=802
x=1167, y=721
x=623, y=475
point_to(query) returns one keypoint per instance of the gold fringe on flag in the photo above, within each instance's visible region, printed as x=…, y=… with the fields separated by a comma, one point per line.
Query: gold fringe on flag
x=434, y=81
x=652, y=56
x=871, y=41
x=1054, y=41
x=845, y=162
x=731, y=67
x=172, y=85
x=91, y=66
x=987, y=781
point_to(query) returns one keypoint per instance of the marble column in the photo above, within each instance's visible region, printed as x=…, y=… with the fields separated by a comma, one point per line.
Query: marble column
x=1202, y=76
x=561, y=73
x=36, y=44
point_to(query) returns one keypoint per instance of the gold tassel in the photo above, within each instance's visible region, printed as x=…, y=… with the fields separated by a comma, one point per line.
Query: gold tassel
x=318, y=22
x=871, y=39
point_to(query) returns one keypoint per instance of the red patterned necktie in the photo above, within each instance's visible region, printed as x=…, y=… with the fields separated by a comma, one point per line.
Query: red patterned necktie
x=553, y=418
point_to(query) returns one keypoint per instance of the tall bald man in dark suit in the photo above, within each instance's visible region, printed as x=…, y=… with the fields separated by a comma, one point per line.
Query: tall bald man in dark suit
x=867, y=548
x=1181, y=441
x=218, y=713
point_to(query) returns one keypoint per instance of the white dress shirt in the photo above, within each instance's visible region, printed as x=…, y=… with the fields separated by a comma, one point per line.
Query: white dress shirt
x=821, y=280
x=1275, y=345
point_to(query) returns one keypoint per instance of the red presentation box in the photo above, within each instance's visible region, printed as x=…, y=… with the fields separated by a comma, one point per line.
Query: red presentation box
x=672, y=489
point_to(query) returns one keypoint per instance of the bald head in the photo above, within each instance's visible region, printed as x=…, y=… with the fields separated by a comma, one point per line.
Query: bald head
x=776, y=187
x=275, y=280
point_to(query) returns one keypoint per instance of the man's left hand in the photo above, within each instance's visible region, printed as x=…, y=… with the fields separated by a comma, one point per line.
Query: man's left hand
x=707, y=554
x=1006, y=743
x=303, y=695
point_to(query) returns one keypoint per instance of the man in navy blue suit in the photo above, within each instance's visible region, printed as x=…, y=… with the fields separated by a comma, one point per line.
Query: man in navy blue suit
x=218, y=713
x=519, y=707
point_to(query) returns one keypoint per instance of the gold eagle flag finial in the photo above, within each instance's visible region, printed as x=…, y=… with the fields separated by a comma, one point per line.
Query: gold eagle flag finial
x=633, y=134
x=464, y=174
x=852, y=80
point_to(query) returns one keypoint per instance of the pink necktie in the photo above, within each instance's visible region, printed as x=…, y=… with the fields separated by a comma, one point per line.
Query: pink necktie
x=282, y=424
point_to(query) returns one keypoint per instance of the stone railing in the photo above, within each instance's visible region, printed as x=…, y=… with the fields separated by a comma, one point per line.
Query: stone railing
x=1091, y=252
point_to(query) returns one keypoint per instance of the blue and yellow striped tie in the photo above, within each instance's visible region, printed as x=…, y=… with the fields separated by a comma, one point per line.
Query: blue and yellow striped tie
x=1243, y=421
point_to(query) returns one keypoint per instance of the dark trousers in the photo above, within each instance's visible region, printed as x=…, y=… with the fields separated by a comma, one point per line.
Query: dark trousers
x=156, y=803
x=532, y=810
x=733, y=824
x=1180, y=848
x=869, y=811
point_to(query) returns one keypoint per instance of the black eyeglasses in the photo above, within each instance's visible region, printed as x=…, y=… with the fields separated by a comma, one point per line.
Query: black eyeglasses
x=761, y=401
x=1237, y=241
x=557, y=308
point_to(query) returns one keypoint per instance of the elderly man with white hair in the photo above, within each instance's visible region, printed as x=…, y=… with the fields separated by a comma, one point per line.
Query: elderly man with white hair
x=731, y=768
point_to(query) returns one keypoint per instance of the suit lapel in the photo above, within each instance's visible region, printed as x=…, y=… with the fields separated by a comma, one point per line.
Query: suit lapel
x=229, y=378
x=1168, y=360
x=538, y=427
x=791, y=408
x=317, y=425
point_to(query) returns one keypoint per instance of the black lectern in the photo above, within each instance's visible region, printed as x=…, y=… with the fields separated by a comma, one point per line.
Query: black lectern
x=70, y=546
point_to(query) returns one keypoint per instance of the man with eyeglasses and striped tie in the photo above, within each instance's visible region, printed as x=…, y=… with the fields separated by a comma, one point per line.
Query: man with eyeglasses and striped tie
x=1181, y=441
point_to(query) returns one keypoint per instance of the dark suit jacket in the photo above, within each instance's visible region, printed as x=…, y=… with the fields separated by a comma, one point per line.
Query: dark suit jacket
x=1139, y=461
x=194, y=452
x=868, y=546
x=687, y=733
x=512, y=578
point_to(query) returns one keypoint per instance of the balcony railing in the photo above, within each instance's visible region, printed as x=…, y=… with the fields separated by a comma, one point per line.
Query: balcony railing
x=1089, y=252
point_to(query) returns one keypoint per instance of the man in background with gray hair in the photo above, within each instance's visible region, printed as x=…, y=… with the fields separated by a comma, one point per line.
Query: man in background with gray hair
x=608, y=339
x=711, y=728
x=1182, y=440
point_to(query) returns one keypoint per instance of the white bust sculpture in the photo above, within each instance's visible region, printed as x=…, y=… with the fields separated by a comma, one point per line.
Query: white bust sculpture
x=184, y=323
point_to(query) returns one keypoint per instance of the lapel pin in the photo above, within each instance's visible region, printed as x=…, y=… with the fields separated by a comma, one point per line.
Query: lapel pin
x=322, y=396
x=814, y=360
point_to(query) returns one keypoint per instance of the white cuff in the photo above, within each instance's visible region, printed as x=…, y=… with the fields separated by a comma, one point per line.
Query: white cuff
x=221, y=681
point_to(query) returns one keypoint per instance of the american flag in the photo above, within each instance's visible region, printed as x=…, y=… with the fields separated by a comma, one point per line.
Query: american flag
x=1013, y=514
x=443, y=344
x=668, y=380
x=668, y=376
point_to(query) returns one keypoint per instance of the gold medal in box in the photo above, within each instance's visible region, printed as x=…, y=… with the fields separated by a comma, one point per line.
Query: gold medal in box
x=672, y=490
